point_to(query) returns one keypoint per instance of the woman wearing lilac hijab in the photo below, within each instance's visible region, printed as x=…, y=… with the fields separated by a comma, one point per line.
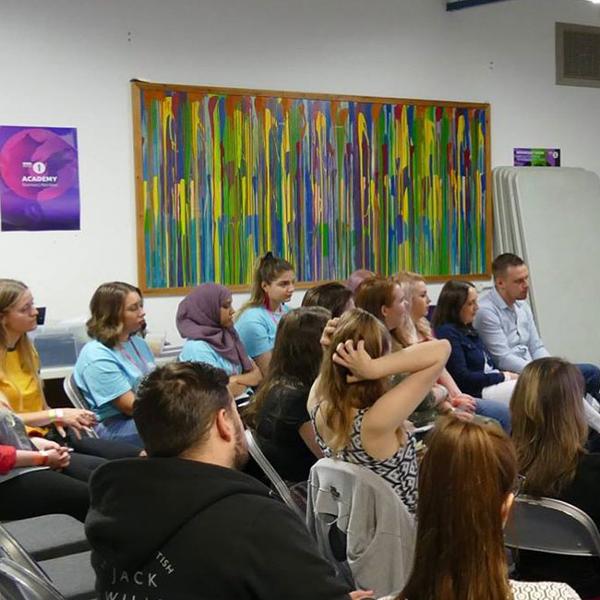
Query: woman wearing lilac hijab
x=205, y=319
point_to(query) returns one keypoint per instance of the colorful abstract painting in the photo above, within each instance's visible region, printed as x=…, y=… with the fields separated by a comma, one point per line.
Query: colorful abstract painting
x=331, y=183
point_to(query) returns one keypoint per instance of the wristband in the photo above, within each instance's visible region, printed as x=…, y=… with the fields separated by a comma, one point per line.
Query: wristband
x=41, y=458
x=56, y=415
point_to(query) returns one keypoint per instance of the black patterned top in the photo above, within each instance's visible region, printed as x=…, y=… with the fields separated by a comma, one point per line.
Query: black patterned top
x=400, y=470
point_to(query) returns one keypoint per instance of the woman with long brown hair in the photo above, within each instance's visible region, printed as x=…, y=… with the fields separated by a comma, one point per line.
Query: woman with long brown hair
x=470, y=364
x=467, y=483
x=419, y=329
x=256, y=321
x=358, y=415
x=550, y=433
x=278, y=412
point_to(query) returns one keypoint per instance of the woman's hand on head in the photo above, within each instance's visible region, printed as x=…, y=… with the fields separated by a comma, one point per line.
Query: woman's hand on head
x=509, y=375
x=356, y=359
x=328, y=332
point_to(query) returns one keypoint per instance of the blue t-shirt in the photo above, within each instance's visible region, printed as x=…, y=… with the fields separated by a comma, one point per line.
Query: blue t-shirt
x=257, y=327
x=103, y=374
x=201, y=351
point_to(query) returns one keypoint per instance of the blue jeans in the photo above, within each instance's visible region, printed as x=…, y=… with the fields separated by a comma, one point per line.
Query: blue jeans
x=591, y=374
x=494, y=410
x=120, y=428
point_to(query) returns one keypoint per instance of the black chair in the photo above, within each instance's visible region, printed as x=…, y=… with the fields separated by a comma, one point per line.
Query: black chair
x=552, y=526
x=274, y=478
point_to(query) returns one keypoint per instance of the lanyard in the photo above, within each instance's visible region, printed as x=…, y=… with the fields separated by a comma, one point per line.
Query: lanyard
x=275, y=316
x=142, y=364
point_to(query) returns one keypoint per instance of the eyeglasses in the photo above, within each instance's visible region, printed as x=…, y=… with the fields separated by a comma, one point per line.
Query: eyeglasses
x=517, y=488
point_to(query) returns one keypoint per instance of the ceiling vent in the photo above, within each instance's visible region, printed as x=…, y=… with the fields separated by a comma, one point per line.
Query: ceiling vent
x=577, y=55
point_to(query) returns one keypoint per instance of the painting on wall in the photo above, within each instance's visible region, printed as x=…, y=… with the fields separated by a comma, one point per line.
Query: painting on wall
x=331, y=183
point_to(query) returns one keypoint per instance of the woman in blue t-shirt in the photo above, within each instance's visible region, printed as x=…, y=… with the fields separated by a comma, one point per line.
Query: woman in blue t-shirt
x=205, y=319
x=110, y=367
x=257, y=320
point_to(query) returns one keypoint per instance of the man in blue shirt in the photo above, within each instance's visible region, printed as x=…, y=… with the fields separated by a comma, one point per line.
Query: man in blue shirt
x=505, y=322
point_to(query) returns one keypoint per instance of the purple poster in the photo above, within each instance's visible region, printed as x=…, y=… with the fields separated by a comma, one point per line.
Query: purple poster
x=39, y=181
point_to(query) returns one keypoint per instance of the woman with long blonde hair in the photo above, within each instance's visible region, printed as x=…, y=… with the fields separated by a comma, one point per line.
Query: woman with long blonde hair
x=358, y=415
x=467, y=483
x=20, y=383
x=550, y=433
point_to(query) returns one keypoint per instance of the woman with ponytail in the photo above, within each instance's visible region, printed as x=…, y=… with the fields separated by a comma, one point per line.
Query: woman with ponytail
x=256, y=324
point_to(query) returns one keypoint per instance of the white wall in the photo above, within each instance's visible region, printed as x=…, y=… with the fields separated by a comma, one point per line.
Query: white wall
x=68, y=63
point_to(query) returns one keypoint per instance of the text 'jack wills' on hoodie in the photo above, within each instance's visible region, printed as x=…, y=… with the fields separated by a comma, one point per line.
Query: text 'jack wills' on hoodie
x=175, y=529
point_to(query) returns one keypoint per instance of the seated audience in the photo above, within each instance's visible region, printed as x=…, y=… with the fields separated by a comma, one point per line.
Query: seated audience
x=506, y=326
x=185, y=523
x=334, y=296
x=110, y=367
x=21, y=385
x=256, y=321
x=549, y=432
x=394, y=302
x=361, y=419
x=278, y=413
x=205, y=320
x=467, y=484
x=38, y=476
x=469, y=364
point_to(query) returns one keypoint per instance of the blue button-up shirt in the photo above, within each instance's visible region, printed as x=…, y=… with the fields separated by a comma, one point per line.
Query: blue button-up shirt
x=508, y=332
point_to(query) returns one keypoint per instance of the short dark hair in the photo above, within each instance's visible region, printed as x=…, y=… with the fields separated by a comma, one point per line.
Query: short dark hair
x=452, y=298
x=334, y=296
x=176, y=406
x=503, y=261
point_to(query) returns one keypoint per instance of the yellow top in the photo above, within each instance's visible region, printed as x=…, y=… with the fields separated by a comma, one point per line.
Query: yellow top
x=23, y=390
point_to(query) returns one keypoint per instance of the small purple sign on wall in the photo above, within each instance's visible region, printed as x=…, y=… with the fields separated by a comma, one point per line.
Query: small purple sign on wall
x=39, y=178
x=536, y=157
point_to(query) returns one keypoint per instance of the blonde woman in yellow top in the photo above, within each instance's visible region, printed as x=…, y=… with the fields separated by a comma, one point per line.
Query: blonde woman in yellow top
x=20, y=384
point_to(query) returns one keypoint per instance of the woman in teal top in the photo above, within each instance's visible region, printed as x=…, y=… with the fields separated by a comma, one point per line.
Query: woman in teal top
x=205, y=319
x=256, y=324
x=110, y=367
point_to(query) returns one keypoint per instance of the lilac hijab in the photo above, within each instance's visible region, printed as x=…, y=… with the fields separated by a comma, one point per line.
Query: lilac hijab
x=199, y=318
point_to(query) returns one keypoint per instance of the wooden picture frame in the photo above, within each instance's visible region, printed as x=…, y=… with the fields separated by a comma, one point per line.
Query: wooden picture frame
x=331, y=183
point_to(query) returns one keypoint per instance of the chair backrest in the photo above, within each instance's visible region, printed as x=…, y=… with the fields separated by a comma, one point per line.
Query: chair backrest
x=76, y=398
x=11, y=549
x=361, y=525
x=552, y=526
x=18, y=583
x=267, y=468
x=74, y=394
